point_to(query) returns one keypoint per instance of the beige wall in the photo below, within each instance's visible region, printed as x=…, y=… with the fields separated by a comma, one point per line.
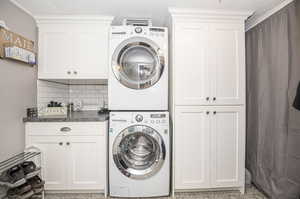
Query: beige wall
x=17, y=84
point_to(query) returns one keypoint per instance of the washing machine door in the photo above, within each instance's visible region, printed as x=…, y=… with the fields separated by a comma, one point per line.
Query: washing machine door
x=139, y=152
x=138, y=63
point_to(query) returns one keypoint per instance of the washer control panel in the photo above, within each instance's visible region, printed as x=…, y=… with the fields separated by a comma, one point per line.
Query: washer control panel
x=151, y=118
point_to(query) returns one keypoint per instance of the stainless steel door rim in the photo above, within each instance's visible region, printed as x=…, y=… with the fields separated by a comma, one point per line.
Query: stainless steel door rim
x=138, y=63
x=139, y=152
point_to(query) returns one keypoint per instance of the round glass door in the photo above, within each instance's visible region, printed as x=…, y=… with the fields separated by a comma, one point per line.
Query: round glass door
x=139, y=152
x=138, y=63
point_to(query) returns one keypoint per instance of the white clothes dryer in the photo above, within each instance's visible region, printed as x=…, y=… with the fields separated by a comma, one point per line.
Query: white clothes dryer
x=138, y=68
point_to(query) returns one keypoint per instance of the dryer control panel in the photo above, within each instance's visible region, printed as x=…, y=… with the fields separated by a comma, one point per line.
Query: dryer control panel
x=139, y=31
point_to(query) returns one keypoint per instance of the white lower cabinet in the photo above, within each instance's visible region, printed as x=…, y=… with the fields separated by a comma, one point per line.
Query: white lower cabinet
x=191, y=148
x=71, y=160
x=87, y=162
x=209, y=147
x=54, y=161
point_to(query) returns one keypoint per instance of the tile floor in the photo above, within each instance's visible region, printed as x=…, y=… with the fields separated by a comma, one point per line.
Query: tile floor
x=251, y=193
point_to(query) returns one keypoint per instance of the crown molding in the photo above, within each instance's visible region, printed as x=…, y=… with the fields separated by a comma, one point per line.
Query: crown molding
x=60, y=19
x=21, y=7
x=208, y=14
x=255, y=19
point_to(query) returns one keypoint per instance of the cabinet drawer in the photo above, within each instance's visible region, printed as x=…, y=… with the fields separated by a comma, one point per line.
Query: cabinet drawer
x=66, y=128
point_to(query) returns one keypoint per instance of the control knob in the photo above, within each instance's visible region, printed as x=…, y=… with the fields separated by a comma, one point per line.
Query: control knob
x=138, y=30
x=139, y=118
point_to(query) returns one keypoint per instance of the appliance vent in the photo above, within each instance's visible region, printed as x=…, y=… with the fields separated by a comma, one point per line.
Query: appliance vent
x=137, y=22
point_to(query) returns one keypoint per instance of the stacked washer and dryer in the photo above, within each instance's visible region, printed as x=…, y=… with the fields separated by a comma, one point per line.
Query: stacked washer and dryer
x=139, y=135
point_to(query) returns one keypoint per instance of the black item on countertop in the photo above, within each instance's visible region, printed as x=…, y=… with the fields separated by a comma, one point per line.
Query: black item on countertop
x=54, y=104
x=103, y=110
x=70, y=108
x=32, y=112
x=297, y=99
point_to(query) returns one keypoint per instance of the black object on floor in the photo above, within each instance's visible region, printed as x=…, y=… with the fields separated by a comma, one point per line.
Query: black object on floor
x=297, y=99
x=30, y=169
x=14, y=192
x=13, y=177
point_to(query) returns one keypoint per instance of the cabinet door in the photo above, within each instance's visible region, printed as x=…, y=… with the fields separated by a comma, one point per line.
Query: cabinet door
x=90, y=52
x=191, y=66
x=53, y=160
x=191, y=148
x=87, y=157
x=54, y=53
x=228, y=64
x=228, y=147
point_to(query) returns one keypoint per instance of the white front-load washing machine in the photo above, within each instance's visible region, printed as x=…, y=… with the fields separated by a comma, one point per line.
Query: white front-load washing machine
x=139, y=154
x=138, y=68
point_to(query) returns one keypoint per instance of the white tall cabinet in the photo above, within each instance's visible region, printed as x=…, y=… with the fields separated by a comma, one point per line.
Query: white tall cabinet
x=208, y=99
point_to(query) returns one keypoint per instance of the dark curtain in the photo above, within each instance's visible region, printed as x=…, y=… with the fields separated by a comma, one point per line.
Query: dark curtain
x=273, y=124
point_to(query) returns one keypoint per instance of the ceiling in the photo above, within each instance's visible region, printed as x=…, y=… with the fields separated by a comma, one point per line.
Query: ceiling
x=155, y=9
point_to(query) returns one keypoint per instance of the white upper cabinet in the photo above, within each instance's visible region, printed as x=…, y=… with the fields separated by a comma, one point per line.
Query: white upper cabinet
x=228, y=64
x=73, y=48
x=191, y=66
x=208, y=59
x=90, y=52
x=54, y=58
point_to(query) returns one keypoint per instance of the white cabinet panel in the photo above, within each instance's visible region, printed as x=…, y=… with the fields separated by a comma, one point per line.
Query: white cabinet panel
x=191, y=66
x=53, y=160
x=228, y=64
x=90, y=53
x=227, y=143
x=87, y=162
x=54, y=53
x=191, y=148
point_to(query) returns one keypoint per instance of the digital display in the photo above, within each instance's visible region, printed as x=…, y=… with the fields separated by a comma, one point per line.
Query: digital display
x=157, y=30
x=158, y=115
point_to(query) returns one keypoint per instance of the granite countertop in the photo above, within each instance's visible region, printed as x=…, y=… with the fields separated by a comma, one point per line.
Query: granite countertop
x=80, y=116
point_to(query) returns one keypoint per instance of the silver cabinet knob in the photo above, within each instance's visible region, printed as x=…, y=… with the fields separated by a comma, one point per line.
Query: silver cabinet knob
x=60, y=143
x=214, y=98
x=215, y=112
x=68, y=143
x=207, y=112
x=69, y=72
x=75, y=72
x=207, y=99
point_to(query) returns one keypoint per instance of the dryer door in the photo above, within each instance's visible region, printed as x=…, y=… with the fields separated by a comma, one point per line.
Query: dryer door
x=138, y=63
x=139, y=152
